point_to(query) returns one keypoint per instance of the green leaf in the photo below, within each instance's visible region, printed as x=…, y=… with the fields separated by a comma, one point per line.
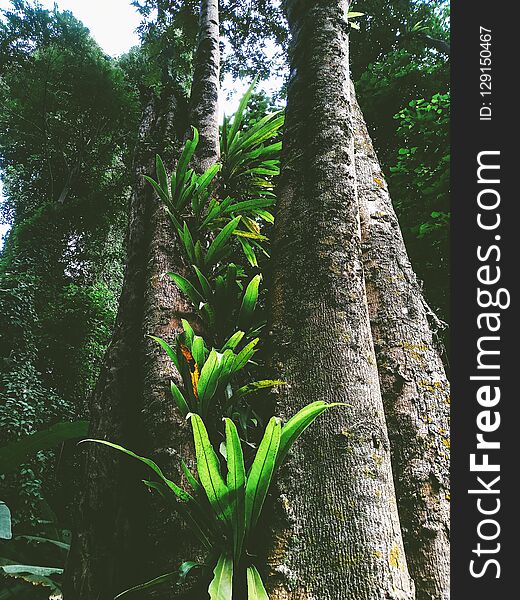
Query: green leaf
x=254, y=386
x=187, y=288
x=34, y=575
x=208, y=380
x=249, y=205
x=218, y=243
x=189, y=149
x=197, y=488
x=161, y=174
x=244, y=355
x=262, y=469
x=233, y=341
x=298, y=423
x=168, y=349
x=160, y=192
x=249, y=252
x=198, y=350
x=221, y=587
x=208, y=468
x=239, y=115
x=236, y=480
x=152, y=583
x=31, y=570
x=188, y=242
x=180, y=401
x=189, y=334
x=12, y=455
x=43, y=540
x=5, y=522
x=179, y=493
x=255, y=585
x=249, y=302
x=204, y=283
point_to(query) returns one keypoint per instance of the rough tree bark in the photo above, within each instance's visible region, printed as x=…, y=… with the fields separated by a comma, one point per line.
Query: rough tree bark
x=102, y=552
x=205, y=86
x=337, y=532
x=119, y=539
x=413, y=381
x=168, y=434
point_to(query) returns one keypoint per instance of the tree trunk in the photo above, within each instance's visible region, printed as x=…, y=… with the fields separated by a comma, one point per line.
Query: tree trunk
x=413, y=382
x=169, y=435
x=337, y=532
x=123, y=536
x=205, y=87
x=98, y=564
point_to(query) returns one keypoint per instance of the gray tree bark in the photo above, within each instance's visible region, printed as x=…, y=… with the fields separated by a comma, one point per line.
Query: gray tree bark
x=337, y=532
x=124, y=536
x=103, y=559
x=205, y=86
x=413, y=381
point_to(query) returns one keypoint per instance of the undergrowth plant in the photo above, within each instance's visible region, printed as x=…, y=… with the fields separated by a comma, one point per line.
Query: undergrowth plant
x=220, y=219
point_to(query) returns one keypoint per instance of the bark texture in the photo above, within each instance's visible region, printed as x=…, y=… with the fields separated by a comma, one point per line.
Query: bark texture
x=205, y=86
x=101, y=554
x=124, y=536
x=413, y=381
x=337, y=532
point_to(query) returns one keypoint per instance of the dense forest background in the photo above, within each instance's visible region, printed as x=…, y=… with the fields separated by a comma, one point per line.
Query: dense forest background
x=69, y=125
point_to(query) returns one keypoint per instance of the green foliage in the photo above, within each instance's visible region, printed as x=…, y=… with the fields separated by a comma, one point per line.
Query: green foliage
x=399, y=65
x=68, y=122
x=224, y=505
x=423, y=167
x=223, y=510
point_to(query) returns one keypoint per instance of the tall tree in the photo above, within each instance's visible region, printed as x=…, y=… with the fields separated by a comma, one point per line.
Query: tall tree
x=337, y=529
x=132, y=403
x=413, y=382
x=67, y=120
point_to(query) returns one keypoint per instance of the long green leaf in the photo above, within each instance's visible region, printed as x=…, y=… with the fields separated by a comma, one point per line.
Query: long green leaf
x=208, y=380
x=189, y=149
x=187, y=288
x=255, y=585
x=160, y=192
x=43, y=540
x=180, y=401
x=239, y=115
x=152, y=583
x=168, y=349
x=221, y=587
x=236, y=480
x=254, y=386
x=161, y=174
x=233, y=341
x=218, y=243
x=249, y=303
x=244, y=355
x=298, y=423
x=179, y=493
x=12, y=455
x=208, y=468
x=204, y=283
x=262, y=469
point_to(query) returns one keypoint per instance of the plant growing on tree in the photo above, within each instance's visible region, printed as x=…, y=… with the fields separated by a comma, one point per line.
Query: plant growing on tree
x=224, y=505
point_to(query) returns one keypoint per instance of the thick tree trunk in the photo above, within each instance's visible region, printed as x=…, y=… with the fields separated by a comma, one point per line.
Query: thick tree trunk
x=169, y=435
x=413, y=382
x=98, y=563
x=205, y=86
x=124, y=537
x=337, y=532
